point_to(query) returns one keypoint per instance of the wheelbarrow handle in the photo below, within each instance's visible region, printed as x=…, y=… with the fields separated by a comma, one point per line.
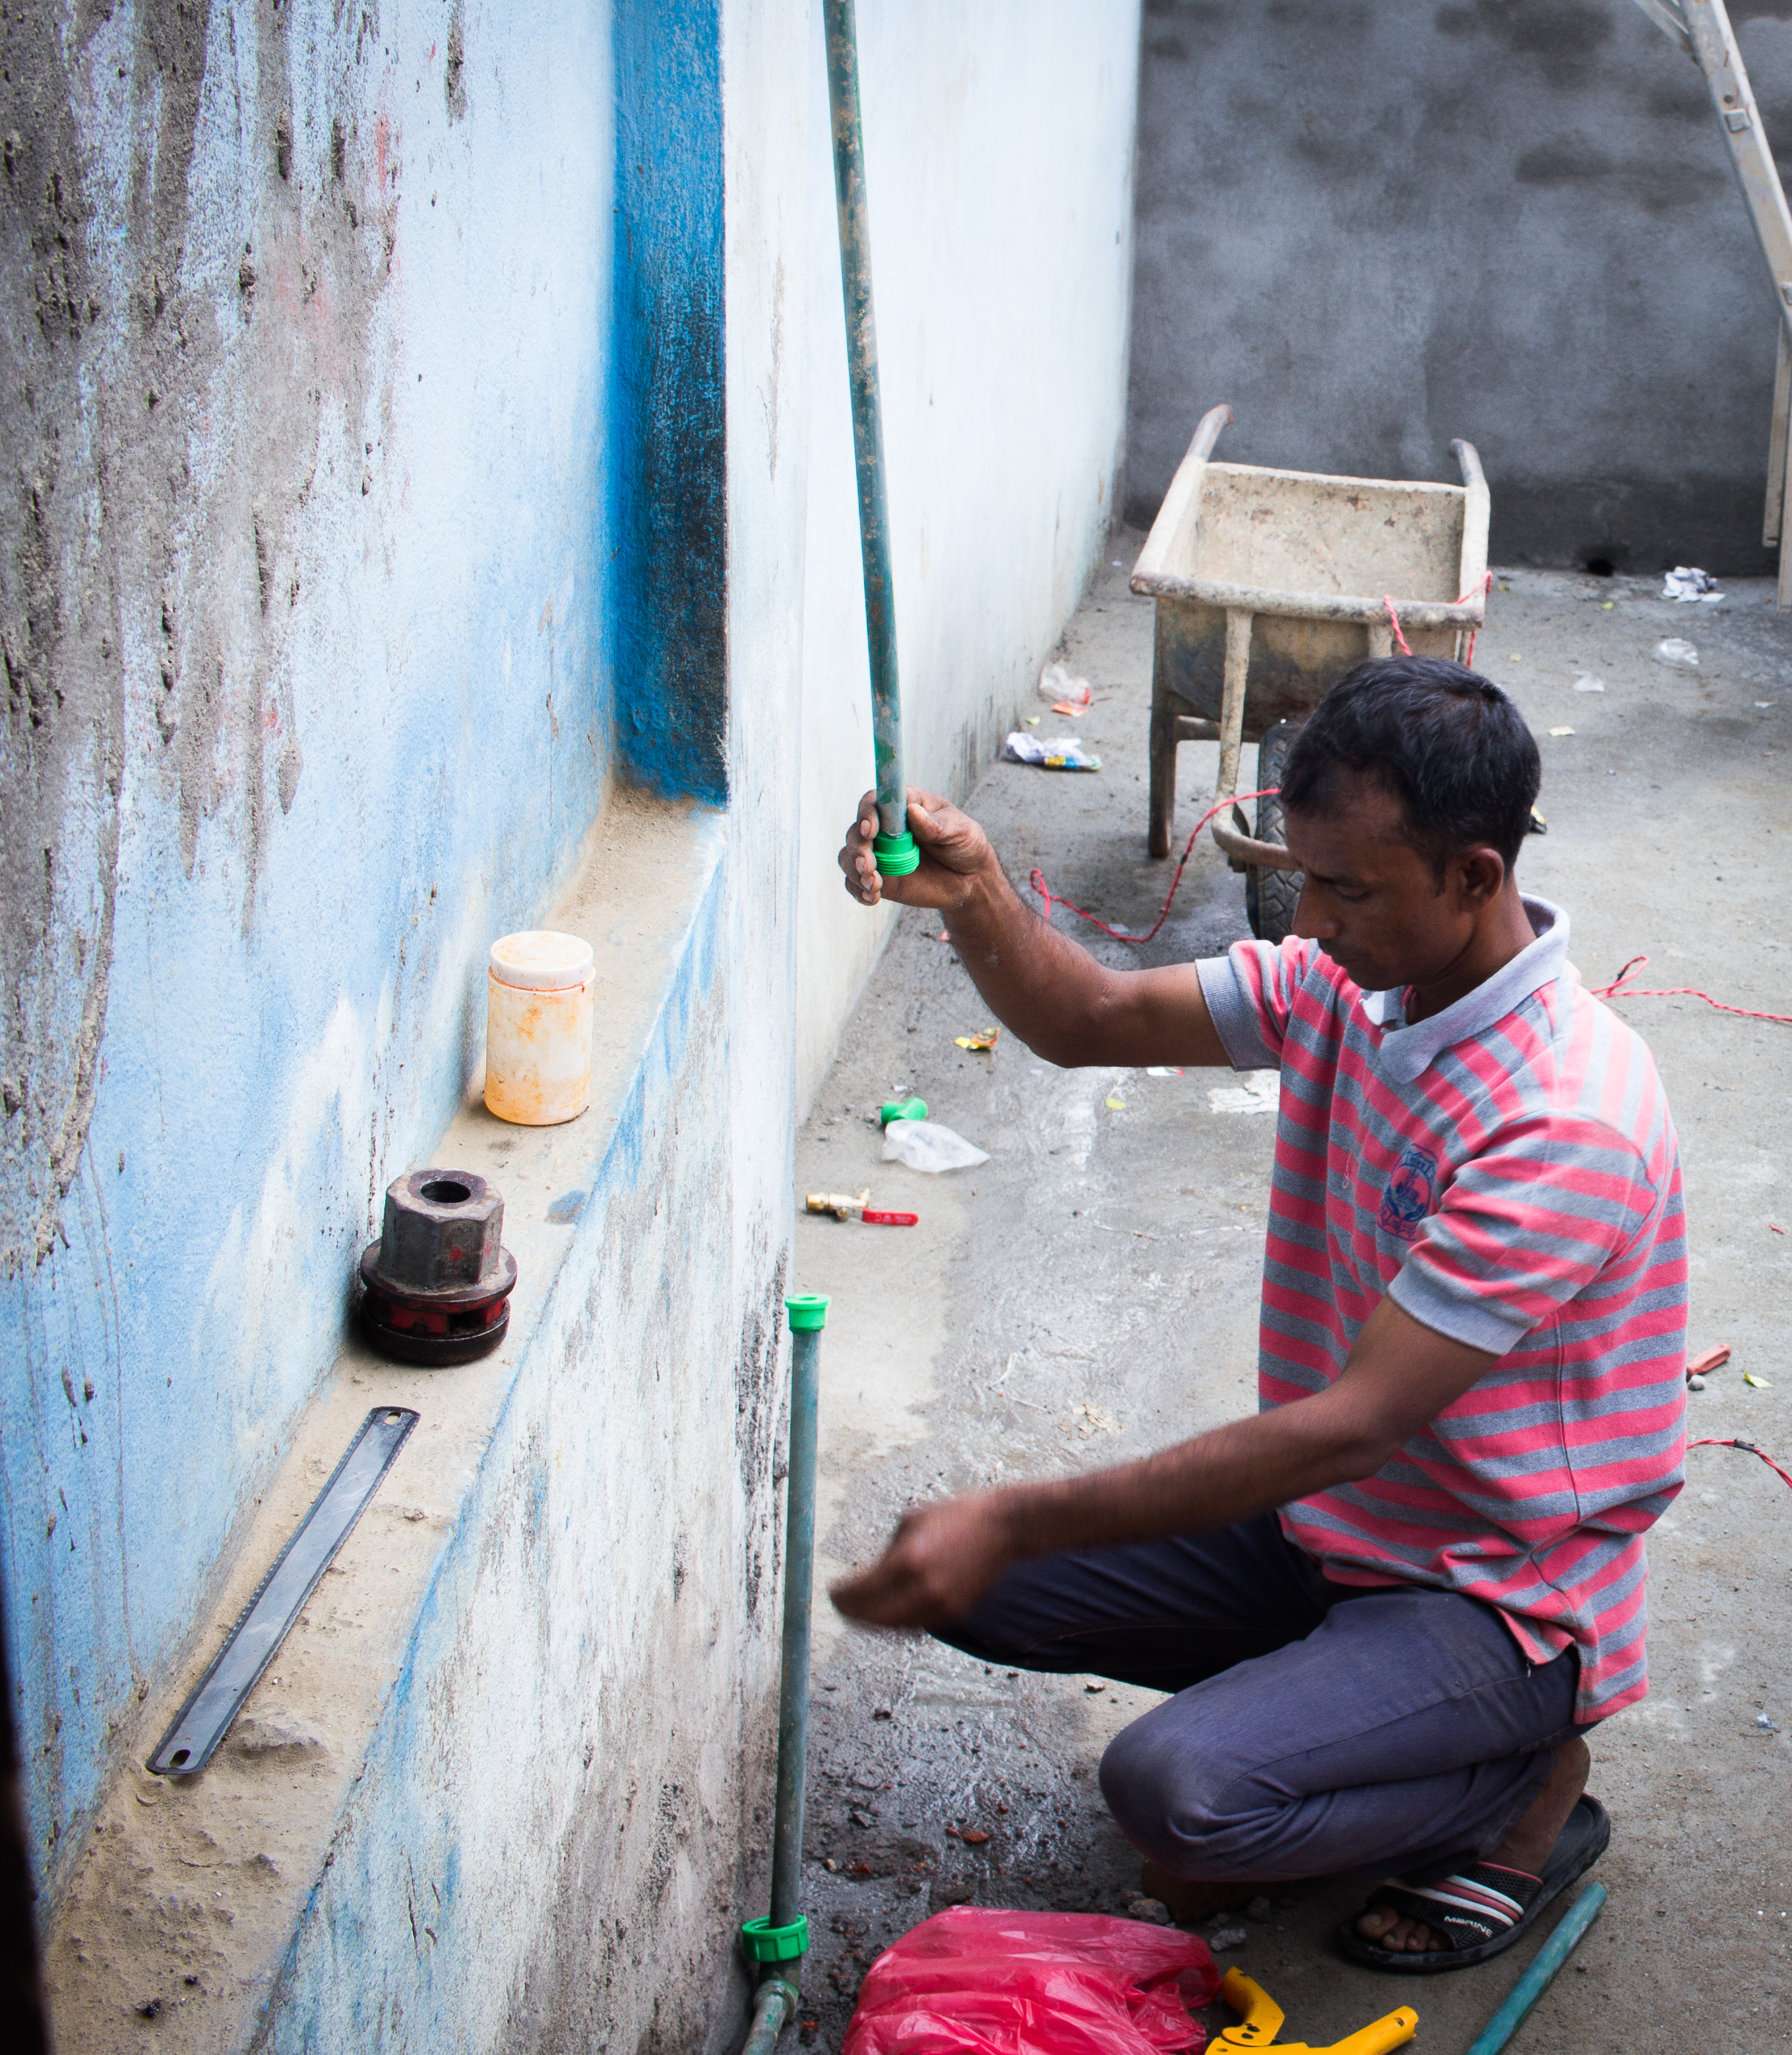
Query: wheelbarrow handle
x=1207, y=432
x=1247, y=848
x=1473, y=568
x=1468, y=458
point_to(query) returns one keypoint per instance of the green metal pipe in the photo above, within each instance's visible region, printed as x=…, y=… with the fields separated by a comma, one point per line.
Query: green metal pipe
x=894, y=847
x=774, y=2004
x=777, y=1944
x=799, y=1568
x=1537, y=1980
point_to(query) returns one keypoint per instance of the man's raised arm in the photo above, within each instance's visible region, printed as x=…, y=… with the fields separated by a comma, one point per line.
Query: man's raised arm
x=1051, y=993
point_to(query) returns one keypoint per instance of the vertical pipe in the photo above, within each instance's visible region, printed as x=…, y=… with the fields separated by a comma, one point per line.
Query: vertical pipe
x=799, y=1562
x=777, y=1944
x=894, y=848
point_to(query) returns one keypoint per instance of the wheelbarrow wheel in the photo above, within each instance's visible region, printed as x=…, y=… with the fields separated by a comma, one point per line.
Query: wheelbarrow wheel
x=1270, y=896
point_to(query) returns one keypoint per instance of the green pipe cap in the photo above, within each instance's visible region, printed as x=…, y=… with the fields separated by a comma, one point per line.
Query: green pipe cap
x=901, y=1109
x=897, y=854
x=759, y=1939
x=808, y=1315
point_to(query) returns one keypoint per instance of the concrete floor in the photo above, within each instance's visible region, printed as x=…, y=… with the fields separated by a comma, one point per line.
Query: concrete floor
x=1091, y=1293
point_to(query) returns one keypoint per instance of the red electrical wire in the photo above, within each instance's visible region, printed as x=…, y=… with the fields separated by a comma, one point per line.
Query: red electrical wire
x=1462, y=599
x=1621, y=988
x=1710, y=1441
x=1053, y=899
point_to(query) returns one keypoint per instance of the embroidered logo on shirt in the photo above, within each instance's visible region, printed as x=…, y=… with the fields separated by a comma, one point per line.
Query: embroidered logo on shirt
x=1409, y=1196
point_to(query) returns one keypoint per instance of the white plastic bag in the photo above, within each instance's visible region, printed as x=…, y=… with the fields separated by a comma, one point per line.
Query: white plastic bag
x=1059, y=687
x=1676, y=650
x=924, y=1145
x=1687, y=582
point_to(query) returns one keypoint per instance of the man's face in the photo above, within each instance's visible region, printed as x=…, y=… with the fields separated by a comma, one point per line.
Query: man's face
x=1373, y=903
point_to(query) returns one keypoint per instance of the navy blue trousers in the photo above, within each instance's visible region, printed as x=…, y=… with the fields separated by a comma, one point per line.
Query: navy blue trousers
x=1315, y=1729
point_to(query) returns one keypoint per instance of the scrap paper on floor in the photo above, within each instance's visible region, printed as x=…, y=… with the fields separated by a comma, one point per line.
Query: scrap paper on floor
x=1257, y=1091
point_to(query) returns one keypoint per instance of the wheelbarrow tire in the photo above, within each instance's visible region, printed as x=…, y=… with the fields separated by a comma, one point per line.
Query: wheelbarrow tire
x=1271, y=896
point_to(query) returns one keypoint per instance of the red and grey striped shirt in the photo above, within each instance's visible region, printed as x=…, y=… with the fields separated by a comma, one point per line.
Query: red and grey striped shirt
x=1508, y=1171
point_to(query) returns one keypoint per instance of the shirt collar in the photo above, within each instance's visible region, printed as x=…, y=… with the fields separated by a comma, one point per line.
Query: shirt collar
x=1406, y=1051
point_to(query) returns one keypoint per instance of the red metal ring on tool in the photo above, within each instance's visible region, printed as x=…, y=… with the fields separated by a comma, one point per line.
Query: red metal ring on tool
x=871, y=1219
x=436, y=1287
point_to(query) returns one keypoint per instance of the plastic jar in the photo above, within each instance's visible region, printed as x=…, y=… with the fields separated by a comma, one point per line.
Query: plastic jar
x=538, y=1027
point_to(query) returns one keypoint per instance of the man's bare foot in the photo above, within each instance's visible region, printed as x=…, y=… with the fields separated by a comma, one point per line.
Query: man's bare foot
x=1525, y=1849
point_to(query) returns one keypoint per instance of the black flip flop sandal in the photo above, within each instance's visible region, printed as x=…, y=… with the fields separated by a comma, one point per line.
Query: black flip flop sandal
x=1482, y=1908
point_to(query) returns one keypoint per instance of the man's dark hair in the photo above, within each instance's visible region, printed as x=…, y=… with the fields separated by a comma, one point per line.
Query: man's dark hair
x=1448, y=744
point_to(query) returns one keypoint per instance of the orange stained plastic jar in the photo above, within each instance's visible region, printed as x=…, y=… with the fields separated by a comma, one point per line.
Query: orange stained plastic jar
x=538, y=1007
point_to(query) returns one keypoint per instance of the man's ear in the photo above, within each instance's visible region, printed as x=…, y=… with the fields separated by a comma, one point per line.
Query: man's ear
x=1480, y=875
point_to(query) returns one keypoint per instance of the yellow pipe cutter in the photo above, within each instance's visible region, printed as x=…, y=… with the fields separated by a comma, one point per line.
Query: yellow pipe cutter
x=1261, y=2017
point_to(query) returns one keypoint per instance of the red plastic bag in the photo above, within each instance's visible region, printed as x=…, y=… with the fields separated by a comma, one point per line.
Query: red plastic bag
x=971, y=1982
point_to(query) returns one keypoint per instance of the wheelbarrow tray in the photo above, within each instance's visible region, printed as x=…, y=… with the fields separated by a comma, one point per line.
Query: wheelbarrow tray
x=1270, y=584
x=1314, y=560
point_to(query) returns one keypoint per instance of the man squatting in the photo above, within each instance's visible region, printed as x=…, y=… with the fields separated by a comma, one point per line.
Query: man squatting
x=1387, y=1607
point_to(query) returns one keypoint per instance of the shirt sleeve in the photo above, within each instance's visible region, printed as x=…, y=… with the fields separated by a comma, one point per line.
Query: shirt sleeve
x=1531, y=1222
x=1250, y=992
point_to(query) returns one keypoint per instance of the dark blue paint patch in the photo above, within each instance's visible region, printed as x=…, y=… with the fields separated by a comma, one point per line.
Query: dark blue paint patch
x=666, y=491
x=566, y=1207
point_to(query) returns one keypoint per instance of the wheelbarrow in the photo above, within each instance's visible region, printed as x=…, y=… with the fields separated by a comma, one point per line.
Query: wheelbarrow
x=1268, y=585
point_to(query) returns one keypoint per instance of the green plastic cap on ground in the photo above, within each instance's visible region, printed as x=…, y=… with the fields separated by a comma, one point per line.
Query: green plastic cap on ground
x=763, y=1943
x=897, y=854
x=901, y=1109
x=808, y=1315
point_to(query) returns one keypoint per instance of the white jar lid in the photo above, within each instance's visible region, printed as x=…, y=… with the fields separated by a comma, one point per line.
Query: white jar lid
x=539, y=960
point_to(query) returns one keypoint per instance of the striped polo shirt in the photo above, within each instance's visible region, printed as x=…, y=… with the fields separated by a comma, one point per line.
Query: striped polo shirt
x=1508, y=1170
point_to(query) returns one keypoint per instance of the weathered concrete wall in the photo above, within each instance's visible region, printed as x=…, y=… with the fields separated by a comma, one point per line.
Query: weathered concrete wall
x=999, y=147
x=307, y=698
x=1374, y=228
x=314, y=589
x=409, y=434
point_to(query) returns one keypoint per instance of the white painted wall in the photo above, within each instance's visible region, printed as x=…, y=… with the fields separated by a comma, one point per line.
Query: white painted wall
x=998, y=147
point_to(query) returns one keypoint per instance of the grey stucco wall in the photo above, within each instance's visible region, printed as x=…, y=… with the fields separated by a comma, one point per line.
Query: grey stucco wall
x=1372, y=228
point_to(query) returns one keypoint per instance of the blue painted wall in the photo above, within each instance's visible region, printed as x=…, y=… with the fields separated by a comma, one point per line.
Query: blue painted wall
x=382, y=454
x=666, y=484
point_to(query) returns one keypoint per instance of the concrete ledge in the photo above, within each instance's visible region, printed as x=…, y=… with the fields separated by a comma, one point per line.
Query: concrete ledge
x=462, y=1783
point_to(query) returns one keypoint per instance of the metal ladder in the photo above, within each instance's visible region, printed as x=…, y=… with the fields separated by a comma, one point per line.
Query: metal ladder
x=1701, y=28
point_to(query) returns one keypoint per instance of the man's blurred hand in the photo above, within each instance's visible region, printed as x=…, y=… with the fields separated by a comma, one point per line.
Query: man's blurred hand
x=941, y=1559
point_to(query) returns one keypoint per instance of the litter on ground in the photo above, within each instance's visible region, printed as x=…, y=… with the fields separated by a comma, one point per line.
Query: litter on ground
x=1677, y=652
x=985, y=1038
x=1561, y=731
x=924, y=1145
x=1257, y=1091
x=1685, y=581
x=1588, y=683
x=1055, y=752
x=1064, y=691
